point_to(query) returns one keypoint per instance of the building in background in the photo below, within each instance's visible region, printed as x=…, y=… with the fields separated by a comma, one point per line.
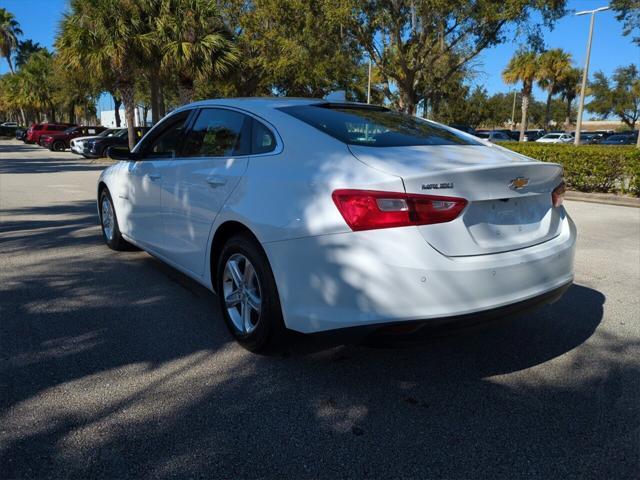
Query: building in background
x=108, y=118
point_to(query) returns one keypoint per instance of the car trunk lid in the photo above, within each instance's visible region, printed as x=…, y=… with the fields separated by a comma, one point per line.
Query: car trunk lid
x=509, y=195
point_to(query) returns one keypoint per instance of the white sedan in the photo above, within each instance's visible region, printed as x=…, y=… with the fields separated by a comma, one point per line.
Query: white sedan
x=312, y=216
x=556, y=138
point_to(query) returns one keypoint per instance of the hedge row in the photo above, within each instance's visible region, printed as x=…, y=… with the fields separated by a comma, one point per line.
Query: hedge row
x=590, y=168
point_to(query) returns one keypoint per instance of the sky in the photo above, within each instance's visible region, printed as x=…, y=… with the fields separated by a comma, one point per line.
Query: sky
x=39, y=20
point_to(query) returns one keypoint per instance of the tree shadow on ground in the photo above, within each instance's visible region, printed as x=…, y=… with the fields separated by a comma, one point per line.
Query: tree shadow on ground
x=115, y=365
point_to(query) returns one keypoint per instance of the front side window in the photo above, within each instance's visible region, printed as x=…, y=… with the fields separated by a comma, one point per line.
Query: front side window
x=166, y=142
x=217, y=133
x=375, y=126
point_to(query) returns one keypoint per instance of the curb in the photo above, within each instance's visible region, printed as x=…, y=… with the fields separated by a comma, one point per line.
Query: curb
x=606, y=198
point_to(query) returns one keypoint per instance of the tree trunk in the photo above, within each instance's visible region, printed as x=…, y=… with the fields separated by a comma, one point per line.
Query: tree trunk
x=524, y=121
x=162, y=108
x=155, y=94
x=22, y=115
x=547, y=111
x=408, y=101
x=185, y=90
x=52, y=112
x=72, y=113
x=116, y=104
x=127, y=94
x=567, y=121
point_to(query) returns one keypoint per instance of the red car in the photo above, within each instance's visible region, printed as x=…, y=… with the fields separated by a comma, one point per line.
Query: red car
x=60, y=141
x=37, y=129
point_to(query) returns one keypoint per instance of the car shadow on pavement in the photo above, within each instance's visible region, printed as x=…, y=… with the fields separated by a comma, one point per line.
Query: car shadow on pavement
x=13, y=160
x=117, y=366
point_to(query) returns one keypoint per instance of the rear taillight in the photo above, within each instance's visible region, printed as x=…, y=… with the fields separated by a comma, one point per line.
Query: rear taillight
x=370, y=209
x=557, y=196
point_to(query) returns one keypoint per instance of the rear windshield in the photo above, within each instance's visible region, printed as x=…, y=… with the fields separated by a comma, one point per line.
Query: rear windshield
x=375, y=126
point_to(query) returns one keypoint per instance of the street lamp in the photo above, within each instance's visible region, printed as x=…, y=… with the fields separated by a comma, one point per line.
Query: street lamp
x=585, y=73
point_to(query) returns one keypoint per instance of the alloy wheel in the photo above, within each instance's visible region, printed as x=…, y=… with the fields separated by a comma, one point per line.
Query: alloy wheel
x=242, y=294
x=107, y=218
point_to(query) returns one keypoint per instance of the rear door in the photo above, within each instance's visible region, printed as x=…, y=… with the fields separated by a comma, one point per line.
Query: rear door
x=209, y=167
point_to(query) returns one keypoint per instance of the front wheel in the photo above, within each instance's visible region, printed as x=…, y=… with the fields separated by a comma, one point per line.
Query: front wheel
x=248, y=295
x=109, y=223
x=58, y=147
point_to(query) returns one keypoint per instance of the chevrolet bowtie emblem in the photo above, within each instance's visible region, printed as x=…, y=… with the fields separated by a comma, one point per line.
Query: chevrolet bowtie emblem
x=519, y=182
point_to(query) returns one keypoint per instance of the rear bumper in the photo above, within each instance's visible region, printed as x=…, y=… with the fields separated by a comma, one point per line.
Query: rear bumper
x=387, y=276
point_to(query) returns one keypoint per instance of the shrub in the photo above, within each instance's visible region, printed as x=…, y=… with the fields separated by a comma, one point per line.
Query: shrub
x=590, y=168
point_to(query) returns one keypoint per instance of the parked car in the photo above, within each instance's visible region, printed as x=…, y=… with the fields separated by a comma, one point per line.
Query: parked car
x=313, y=216
x=464, y=128
x=6, y=131
x=35, y=131
x=20, y=133
x=555, y=137
x=494, y=136
x=589, y=138
x=60, y=141
x=97, y=147
x=533, y=135
x=9, y=124
x=77, y=144
x=620, y=139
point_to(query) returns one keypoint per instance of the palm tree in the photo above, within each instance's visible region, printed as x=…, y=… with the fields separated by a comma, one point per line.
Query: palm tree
x=104, y=38
x=9, y=33
x=25, y=50
x=523, y=67
x=554, y=64
x=194, y=42
x=569, y=87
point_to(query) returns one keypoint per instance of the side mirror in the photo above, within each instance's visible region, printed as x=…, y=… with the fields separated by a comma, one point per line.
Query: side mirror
x=120, y=153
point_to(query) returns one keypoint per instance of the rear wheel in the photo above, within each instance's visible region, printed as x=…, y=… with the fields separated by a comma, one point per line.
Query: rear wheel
x=248, y=295
x=109, y=223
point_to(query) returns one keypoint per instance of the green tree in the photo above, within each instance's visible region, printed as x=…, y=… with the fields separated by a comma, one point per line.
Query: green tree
x=194, y=42
x=554, y=65
x=523, y=67
x=420, y=44
x=628, y=12
x=24, y=50
x=620, y=96
x=569, y=87
x=9, y=33
x=103, y=37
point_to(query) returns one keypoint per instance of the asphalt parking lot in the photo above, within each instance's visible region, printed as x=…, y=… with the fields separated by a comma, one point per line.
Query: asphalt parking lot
x=114, y=365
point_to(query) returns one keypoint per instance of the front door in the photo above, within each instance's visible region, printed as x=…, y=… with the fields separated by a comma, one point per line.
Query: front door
x=147, y=178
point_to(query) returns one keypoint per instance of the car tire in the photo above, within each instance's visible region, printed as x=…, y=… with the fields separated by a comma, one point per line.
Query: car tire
x=109, y=223
x=261, y=329
x=58, y=146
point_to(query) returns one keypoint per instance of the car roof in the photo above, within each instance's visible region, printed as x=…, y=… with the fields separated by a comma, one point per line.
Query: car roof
x=269, y=103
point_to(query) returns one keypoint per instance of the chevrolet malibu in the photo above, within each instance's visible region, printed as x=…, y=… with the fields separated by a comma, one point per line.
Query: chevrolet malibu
x=313, y=216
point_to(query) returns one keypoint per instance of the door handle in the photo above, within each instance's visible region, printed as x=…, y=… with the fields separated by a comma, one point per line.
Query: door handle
x=215, y=181
x=154, y=176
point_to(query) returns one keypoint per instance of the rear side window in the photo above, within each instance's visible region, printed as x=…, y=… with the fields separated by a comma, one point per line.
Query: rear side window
x=218, y=133
x=375, y=126
x=262, y=140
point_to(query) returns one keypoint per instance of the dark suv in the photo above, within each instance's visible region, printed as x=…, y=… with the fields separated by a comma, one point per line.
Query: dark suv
x=97, y=147
x=60, y=141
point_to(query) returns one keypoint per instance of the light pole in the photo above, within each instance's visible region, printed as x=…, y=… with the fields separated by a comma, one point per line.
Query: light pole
x=585, y=73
